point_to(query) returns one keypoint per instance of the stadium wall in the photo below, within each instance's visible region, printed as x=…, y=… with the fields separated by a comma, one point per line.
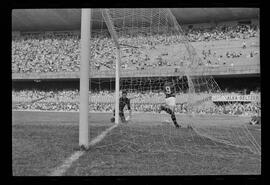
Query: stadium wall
x=229, y=71
x=233, y=84
x=254, y=21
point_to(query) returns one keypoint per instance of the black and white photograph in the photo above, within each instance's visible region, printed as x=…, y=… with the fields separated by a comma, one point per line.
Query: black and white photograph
x=136, y=91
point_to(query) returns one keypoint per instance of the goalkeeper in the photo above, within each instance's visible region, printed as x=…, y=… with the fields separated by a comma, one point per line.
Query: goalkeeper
x=123, y=101
x=169, y=90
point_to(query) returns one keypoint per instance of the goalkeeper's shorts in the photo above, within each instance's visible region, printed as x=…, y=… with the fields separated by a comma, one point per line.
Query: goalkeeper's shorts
x=171, y=101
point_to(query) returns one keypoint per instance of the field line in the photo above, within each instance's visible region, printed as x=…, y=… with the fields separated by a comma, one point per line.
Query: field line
x=60, y=170
x=102, y=135
x=96, y=112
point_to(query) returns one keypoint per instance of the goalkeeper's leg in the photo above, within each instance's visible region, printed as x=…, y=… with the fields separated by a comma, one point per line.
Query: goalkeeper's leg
x=171, y=112
x=121, y=115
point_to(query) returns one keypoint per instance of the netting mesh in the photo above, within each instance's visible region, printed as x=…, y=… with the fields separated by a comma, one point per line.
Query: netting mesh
x=146, y=35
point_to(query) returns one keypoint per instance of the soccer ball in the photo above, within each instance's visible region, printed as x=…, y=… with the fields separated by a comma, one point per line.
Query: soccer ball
x=113, y=120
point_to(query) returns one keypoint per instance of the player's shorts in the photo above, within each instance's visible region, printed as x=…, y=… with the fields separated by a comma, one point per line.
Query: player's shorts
x=171, y=101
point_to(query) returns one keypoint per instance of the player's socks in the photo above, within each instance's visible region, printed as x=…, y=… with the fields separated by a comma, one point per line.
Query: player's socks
x=177, y=126
x=169, y=111
x=174, y=120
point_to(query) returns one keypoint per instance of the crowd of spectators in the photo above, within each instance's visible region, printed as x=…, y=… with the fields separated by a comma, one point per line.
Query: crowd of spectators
x=60, y=52
x=144, y=102
x=222, y=32
x=223, y=57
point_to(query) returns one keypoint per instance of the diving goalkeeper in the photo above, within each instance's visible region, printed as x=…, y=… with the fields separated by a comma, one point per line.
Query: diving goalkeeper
x=123, y=101
x=169, y=107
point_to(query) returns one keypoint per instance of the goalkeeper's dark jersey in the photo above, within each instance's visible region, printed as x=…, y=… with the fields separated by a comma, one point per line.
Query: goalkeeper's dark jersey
x=123, y=102
x=169, y=89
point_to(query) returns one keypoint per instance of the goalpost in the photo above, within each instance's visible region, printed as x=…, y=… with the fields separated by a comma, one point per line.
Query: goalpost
x=84, y=74
x=117, y=62
x=84, y=78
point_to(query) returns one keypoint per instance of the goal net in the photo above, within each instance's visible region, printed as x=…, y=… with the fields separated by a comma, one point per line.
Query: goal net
x=154, y=49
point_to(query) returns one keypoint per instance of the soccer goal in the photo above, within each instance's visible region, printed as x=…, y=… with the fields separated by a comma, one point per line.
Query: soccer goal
x=137, y=51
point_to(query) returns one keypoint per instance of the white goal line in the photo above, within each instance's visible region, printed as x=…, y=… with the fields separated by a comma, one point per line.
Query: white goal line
x=60, y=170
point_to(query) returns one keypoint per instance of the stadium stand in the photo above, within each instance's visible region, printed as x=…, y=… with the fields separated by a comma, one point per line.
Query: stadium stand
x=59, y=52
x=68, y=100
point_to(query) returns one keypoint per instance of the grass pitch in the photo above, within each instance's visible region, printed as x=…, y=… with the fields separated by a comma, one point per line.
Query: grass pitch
x=41, y=141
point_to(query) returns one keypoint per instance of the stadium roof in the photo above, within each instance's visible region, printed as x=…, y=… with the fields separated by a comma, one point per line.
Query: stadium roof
x=69, y=19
